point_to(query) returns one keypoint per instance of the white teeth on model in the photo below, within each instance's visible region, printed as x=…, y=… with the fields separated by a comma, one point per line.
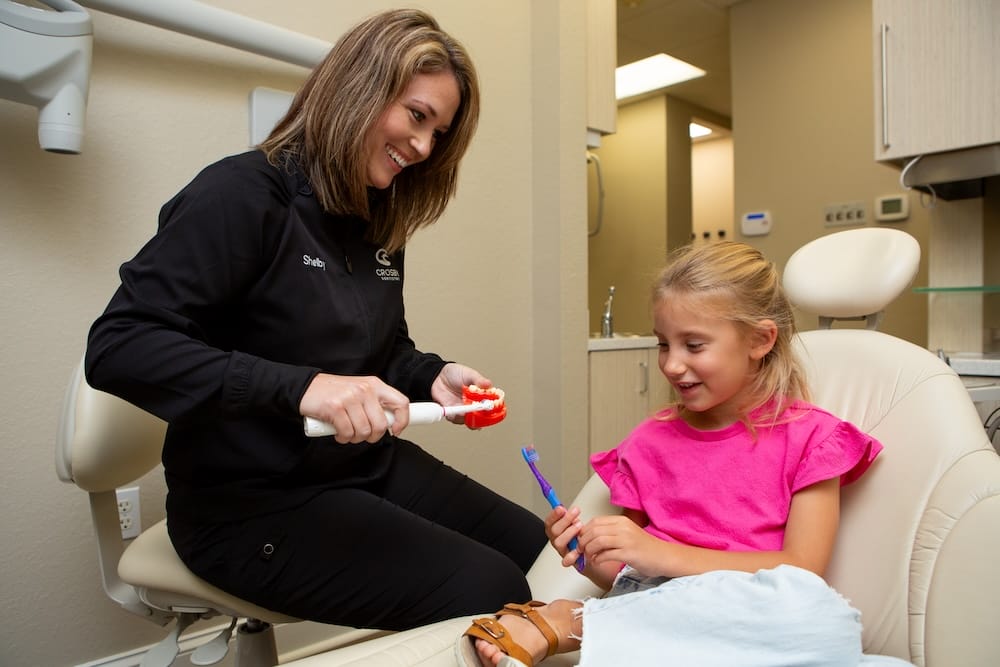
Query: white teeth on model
x=396, y=157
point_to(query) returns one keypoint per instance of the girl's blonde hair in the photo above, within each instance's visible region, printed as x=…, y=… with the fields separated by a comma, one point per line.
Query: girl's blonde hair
x=325, y=129
x=737, y=283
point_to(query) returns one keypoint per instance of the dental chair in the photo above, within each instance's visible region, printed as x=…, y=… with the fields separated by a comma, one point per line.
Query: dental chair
x=920, y=532
x=104, y=443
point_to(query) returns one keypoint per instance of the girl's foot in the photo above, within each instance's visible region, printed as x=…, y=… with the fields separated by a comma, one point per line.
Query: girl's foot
x=529, y=633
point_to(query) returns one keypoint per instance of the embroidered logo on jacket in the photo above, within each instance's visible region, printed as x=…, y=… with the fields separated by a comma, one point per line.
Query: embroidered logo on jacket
x=382, y=257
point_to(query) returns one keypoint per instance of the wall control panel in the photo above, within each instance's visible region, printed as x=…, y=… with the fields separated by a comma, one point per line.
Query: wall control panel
x=892, y=208
x=756, y=223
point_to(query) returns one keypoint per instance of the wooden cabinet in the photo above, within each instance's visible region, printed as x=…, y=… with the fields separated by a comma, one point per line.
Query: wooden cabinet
x=937, y=77
x=626, y=386
x=602, y=55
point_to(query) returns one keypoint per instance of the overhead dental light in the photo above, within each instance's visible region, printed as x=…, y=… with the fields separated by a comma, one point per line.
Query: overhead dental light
x=652, y=73
x=45, y=62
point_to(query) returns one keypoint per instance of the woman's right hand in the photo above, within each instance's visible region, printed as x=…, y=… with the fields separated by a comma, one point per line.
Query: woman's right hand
x=356, y=406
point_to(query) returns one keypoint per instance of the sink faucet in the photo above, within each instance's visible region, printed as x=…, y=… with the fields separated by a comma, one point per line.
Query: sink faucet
x=607, y=322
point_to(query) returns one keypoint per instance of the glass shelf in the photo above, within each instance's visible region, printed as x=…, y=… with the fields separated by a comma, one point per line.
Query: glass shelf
x=969, y=289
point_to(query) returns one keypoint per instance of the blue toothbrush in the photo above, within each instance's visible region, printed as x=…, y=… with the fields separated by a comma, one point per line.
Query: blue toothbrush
x=530, y=455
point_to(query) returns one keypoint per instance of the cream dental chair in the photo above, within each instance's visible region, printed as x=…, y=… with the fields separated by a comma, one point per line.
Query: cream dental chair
x=105, y=443
x=920, y=532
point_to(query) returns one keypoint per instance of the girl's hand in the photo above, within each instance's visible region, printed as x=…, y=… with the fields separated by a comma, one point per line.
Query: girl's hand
x=561, y=526
x=355, y=406
x=619, y=539
x=447, y=386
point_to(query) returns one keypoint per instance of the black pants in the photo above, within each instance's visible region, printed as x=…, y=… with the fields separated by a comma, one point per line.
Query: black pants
x=424, y=544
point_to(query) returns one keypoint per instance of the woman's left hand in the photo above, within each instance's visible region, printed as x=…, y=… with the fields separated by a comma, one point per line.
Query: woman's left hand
x=447, y=387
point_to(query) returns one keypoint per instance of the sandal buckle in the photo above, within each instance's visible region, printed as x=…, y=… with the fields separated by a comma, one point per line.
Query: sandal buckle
x=494, y=629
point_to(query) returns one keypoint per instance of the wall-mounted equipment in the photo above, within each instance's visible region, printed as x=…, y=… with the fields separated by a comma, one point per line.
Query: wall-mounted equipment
x=596, y=161
x=45, y=55
x=45, y=62
x=892, y=208
x=756, y=223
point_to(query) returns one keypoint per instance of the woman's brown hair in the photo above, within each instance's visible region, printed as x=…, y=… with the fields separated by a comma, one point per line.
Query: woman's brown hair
x=325, y=128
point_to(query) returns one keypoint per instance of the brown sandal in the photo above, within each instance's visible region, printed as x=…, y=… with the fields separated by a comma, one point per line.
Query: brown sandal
x=489, y=629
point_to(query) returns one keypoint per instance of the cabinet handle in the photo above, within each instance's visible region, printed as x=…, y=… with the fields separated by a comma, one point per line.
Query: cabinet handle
x=885, y=85
x=643, y=377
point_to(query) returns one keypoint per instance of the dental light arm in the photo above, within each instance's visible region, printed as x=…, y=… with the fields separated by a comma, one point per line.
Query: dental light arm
x=196, y=19
x=45, y=62
x=45, y=55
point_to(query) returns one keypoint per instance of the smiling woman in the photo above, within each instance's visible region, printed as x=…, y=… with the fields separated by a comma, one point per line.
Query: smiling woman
x=273, y=291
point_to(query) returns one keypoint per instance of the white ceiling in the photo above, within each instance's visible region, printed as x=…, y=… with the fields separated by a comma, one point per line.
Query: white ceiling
x=696, y=31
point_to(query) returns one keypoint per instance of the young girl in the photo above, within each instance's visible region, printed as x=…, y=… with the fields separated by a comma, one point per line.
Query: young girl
x=737, y=478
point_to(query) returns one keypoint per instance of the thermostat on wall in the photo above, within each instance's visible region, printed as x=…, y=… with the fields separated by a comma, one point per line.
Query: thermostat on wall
x=756, y=223
x=892, y=208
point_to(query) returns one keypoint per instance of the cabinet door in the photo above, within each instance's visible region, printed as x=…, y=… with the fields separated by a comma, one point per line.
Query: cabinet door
x=937, y=82
x=620, y=387
x=659, y=389
x=602, y=53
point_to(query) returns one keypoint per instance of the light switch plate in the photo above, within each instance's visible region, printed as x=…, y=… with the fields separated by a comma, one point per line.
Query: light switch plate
x=267, y=107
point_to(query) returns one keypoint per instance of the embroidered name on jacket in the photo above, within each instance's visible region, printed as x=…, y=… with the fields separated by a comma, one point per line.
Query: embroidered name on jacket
x=314, y=262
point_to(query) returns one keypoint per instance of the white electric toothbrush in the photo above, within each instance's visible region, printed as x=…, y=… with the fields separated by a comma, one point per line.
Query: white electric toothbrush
x=420, y=413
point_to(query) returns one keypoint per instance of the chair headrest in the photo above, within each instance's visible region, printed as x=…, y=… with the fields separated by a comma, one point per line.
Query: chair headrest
x=851, y=274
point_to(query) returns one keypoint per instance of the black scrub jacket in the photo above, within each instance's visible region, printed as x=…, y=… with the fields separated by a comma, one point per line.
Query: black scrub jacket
x=245, y=293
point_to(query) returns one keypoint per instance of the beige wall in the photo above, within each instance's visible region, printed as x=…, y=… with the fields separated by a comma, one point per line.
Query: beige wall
x=633, y=239
x=659, y=188
x=803, y=130
x=802, y=138
x=712, y=189
x=499, y=283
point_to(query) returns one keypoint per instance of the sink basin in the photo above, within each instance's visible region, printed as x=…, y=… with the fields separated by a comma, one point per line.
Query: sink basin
x=622, y=341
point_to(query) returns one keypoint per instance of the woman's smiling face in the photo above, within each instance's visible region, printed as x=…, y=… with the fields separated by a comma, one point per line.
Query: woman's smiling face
x=406, y=132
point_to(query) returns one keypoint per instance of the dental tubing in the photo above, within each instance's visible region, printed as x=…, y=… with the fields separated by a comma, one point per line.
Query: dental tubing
x=482, y=407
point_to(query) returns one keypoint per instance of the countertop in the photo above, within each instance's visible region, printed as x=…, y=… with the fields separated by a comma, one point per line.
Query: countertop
x=620, y=342
x=981, y=388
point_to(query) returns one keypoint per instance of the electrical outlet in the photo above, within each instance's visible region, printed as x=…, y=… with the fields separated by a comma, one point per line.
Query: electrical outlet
x=843, y=214
x=128, y=511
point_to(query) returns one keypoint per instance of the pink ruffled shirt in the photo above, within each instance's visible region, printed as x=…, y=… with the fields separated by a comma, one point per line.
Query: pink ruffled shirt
x=724, y=490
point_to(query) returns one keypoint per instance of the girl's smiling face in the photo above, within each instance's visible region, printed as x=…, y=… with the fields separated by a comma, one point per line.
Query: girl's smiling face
x=709, y=361
x=406, y=132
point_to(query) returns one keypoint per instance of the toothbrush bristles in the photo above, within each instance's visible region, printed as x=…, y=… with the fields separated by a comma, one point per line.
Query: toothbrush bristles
x=529, y=453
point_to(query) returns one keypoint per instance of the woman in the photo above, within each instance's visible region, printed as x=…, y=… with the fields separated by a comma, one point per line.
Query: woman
x=272, y=291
